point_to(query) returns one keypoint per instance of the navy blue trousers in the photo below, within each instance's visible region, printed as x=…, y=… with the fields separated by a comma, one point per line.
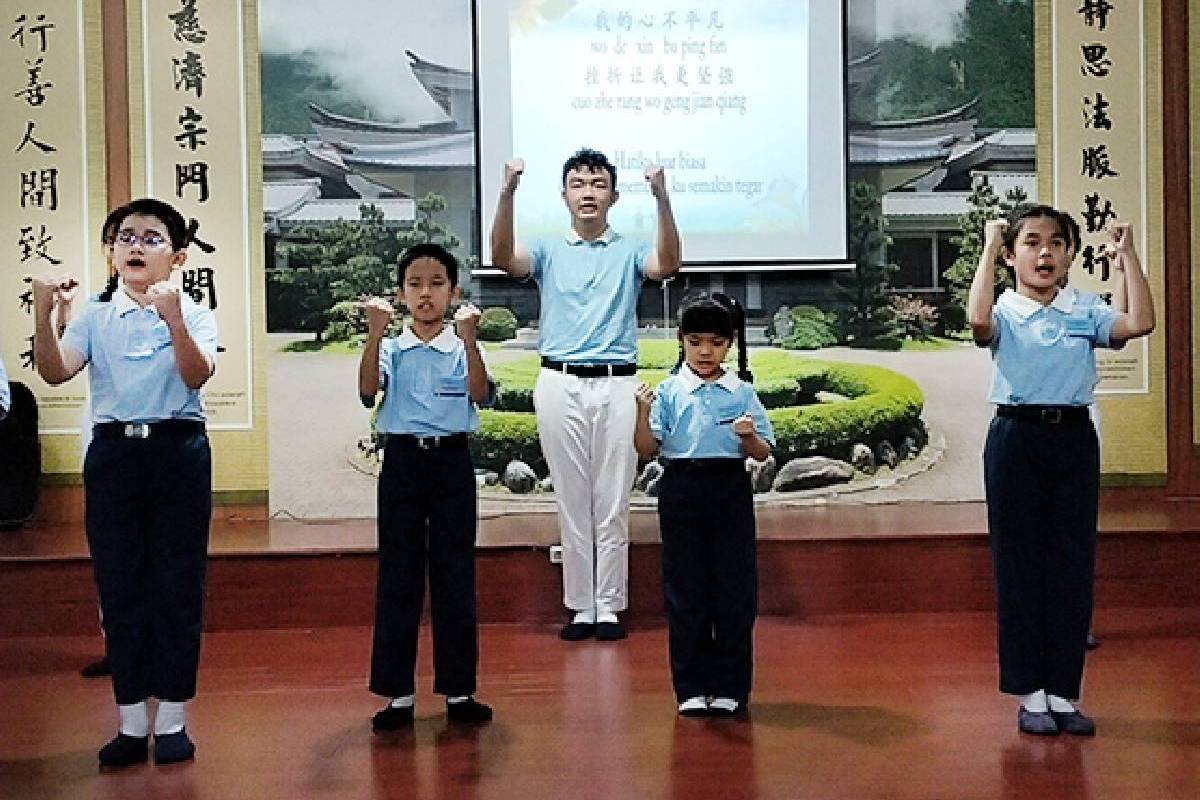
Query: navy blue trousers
x=427, y=518
x=149, y=509
x=710, y=577
x=1042, y=481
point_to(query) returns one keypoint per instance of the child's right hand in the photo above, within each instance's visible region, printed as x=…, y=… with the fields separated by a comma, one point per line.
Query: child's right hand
x=644, y=396
x=49, y=290
x=513, y=170
x=379, y=315
x=993, y=234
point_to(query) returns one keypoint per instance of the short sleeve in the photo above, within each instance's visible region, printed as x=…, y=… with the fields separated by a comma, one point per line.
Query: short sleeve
x=78, y=335
x=5, y=393
x=658, y=414
x=539, y=254
x=387, y=349
x=762, y=425
x=202, y=326
x=490, y=400
x=1105, y=317
x=641, y=255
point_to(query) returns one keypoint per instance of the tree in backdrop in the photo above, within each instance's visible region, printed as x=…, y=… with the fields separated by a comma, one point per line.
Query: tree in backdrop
x=328, y=265
x=866, y=316
x=984, y=204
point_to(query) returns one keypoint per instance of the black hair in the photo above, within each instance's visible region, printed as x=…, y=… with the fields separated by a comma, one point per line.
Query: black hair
x=428, y=250
x=177, y=230
x=717, y=314
x=1067, y=226
x=593, y=161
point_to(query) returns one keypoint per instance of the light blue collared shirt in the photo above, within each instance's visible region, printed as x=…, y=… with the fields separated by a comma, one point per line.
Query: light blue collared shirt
x=1045, y=355
x=5, y=392
x=589, y=293
x=693, y=418
x=133, y=374
x=425, y=385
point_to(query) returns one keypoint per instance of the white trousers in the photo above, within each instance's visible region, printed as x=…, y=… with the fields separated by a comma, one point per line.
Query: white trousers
x=585, y=426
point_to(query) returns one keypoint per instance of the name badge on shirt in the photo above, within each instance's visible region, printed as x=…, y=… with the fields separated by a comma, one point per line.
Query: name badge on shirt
x=452, y=387
x=1080, y=323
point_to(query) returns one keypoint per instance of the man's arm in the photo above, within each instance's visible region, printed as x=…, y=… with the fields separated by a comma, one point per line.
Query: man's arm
x=668, y=250
x=506, y=253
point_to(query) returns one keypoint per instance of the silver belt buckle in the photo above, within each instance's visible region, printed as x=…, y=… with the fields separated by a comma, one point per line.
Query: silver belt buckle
x=427, y=442
x=137, y=430
x=1052, y=415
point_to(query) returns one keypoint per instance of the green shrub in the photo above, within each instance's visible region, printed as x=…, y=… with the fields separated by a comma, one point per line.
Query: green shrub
x=952, y=318
x=343, y=321
x=497, y=324
x=504, y=436
x=808, y=312
x=809, y=333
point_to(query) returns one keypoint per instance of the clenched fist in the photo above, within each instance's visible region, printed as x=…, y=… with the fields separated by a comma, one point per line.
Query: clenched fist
x=379, y=315
x=513, y=170
x=466, y=322
x=657, y=180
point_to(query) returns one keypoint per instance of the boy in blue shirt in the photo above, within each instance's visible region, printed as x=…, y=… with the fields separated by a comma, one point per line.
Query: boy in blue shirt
x=705, y=421
x=588, y=283
x=147, y=474
x=432, y=380
x=1041, y=459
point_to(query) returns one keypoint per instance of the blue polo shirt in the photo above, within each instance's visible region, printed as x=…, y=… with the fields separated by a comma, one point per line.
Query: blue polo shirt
x=425, y=385
x=133, y=374
x=1045, y=355
x=589, y=292
x=5, y=392
x=693, y=418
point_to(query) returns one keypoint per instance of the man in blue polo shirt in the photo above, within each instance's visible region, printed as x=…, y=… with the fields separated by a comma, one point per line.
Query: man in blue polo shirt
x=588, y=283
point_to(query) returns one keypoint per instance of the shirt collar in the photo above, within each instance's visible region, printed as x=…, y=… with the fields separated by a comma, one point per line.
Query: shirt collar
x=606, y=238
x=124, y=303
x=1024, y=307
x=691, y=381
x=444, y=342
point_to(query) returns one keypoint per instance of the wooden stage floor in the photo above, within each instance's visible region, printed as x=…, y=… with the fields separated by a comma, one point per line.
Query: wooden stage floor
x=849, y=706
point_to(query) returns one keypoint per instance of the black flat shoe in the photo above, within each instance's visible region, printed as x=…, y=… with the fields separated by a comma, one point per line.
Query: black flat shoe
x=469, y=711
x=577, y=631
x=1038, y=723
x=124, y=751
x=392, y=718
x=1074, y=723
x=610, y=631
x=171, y=748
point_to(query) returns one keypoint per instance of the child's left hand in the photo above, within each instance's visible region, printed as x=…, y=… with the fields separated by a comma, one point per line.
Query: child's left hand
x=466, y=321
x=744, y=425
x=165, y=299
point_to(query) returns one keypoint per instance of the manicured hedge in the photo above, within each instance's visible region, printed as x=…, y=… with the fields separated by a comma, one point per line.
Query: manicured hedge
x=883, y=405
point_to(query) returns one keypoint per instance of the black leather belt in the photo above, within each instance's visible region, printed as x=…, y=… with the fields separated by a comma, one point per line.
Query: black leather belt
x=1050, y=414
x=147, y=430
x=705, y=463
x=428, y=442
x=591, y=370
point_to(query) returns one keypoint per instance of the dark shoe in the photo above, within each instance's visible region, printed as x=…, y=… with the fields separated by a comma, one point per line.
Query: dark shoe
x=577, y=631
x=392, y=718
x=124, y=751
x=1092, y=642
x=1039, y=723
x=470, y=711
x=171, y=748
x=96, y=669
x=1074, y=723
x=610, y=631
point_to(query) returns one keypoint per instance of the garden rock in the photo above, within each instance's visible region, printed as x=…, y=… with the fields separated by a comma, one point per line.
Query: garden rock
x=886, y=454
x=862, y=458
x=812, y=472
x=519, y=477
x=762, y=474
x=908, y=448
x=650, y=474
x=546, y=484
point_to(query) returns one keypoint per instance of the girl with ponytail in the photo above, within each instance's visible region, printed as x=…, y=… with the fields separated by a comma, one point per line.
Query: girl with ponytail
x=705, y=421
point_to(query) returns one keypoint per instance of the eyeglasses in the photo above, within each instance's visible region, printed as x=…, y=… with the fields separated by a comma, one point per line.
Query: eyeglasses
x=150, y=240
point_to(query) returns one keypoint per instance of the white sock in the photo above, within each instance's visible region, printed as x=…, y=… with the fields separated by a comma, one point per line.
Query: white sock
x=697, y=703
x=586, y=617
x=606, y=616
x=724, y=704
x=170, y=718
x=1035, y=702
x=135, y=719
x=1059, y=704
x=458, y=698
x=403, y=702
